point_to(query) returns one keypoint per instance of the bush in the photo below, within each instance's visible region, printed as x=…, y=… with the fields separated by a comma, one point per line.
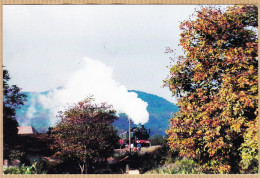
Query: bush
x=34, y=169
x=184, y=166
x=16, y=154
x=157, y=140
x=187, y=166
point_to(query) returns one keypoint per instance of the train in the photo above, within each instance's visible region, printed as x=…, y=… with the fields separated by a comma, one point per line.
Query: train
x=139, y=135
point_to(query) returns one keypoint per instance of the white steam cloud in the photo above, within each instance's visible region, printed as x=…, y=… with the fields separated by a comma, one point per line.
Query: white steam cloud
x=31, y=111
x=95, y=78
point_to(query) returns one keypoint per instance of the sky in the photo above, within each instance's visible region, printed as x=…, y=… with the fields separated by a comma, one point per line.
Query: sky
x=43, y=45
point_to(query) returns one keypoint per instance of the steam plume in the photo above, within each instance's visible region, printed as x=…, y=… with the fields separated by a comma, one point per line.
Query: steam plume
x=95, y=78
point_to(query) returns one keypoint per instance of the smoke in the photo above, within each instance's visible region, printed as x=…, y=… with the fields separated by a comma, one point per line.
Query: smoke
x=95, y=78
x=31, y=110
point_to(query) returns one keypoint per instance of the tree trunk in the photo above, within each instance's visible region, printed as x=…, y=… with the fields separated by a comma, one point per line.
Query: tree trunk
x=81, y=168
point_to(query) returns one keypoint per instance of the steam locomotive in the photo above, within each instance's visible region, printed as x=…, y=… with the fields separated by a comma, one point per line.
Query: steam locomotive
x=138, y=135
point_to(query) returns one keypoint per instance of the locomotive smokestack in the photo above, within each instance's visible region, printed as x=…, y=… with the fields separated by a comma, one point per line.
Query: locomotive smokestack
x=142, y=126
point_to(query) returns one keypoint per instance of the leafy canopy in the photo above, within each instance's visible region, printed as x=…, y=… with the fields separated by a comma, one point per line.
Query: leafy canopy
x=12, y=99
x=86, y=132
x=217, y=80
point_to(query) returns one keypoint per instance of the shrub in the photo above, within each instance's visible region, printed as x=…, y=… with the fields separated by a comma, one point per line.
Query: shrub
x=184, y=166
x=156, y=140
x=16, y=154
x=33, y=169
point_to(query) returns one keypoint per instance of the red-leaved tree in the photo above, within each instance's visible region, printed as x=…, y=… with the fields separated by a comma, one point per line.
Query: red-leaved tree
x=86, y=133
x=217, y=80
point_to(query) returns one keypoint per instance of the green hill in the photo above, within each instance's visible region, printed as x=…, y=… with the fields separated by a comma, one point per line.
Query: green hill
x=160, y=110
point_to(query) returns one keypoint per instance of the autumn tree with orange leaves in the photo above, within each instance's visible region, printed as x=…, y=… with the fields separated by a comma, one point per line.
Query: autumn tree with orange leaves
x=217, y=82
x=85, y=133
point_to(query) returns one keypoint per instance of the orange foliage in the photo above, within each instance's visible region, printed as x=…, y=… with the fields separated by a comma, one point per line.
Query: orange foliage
x=217, y=80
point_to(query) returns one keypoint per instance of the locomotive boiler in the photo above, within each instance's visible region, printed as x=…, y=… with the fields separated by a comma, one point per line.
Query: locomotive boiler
x=138, y=135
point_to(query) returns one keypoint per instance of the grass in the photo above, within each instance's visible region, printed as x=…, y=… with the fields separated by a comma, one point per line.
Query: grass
x=149, y=150
x=184, y=166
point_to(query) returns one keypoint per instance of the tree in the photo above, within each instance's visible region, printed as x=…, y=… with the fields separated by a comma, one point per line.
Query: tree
x=156, y=139
x=217, y=82
x=86, y=133
x=12, y=99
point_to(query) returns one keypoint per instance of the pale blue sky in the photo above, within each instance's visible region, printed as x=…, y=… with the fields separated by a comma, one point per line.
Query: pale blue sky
x=44, y=44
